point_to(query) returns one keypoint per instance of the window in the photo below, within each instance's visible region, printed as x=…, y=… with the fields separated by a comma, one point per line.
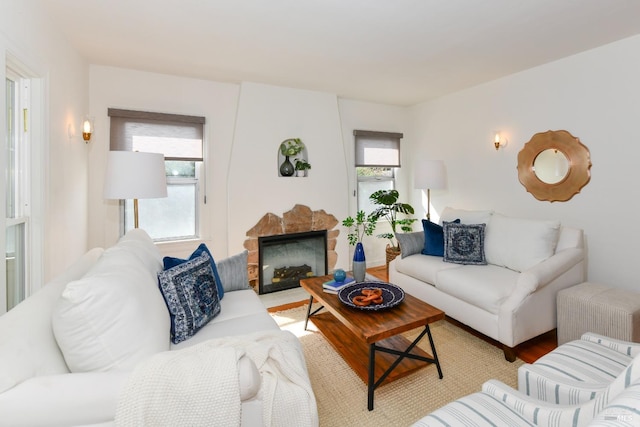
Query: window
x=16, y=190
x=377, y=156
x=180, y=139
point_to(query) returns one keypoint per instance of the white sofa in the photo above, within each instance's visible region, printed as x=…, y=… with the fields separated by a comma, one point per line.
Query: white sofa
x=513, y=297
x=67, y=352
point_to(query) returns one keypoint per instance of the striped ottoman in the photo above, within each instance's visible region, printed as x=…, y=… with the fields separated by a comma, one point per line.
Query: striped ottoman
x=592, y=307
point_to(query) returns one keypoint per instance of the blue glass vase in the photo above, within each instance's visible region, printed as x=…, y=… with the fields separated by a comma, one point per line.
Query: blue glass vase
x=359, y=263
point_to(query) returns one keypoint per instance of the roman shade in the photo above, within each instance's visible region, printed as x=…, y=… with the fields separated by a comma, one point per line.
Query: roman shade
x=377, y=149
x=178, y=137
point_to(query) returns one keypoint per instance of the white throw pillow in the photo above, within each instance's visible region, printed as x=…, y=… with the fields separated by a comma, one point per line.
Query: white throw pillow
x=465, y=216
x=28, y=348
x=519, y=244
x=114, y=316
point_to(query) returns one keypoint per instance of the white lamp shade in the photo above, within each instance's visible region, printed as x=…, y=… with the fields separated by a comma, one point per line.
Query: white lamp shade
x=135, y=175
x=430, y=174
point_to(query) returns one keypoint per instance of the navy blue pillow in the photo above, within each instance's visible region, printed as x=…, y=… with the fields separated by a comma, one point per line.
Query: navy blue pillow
x=434, y=238
x=170, y=262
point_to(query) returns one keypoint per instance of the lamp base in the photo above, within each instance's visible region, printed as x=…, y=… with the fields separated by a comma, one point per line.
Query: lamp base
x=135, y=213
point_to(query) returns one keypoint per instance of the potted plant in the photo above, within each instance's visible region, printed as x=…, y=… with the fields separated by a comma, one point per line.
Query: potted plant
x=360, y=226
x=389, y=208
x=289, y=147
x=301, y=166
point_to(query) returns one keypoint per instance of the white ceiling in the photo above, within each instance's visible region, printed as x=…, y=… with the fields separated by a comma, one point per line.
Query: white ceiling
x=392, y=51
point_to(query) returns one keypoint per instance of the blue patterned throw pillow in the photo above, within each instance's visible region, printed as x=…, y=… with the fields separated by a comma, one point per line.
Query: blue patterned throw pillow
x=170, y=262
x=191, y=295
x=464, y=243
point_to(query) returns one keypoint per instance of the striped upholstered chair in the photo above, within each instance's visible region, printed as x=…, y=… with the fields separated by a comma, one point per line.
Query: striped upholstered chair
x=500, y=405
x=577, y=371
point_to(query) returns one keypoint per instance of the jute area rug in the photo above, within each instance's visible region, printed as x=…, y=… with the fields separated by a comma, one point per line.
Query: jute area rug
x=341, y=395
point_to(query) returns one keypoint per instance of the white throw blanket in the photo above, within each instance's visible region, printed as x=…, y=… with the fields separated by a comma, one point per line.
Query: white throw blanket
x=199, y=385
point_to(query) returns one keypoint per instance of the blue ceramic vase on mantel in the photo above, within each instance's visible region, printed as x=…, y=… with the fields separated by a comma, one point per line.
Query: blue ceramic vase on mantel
x=359, y=263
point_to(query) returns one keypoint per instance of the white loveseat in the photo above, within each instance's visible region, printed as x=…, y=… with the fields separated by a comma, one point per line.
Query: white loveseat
x=109, y=318
x=513, y=297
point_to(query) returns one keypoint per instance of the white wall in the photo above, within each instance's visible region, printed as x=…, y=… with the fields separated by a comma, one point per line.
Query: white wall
x=595, y=96
x=245, y=126
x=135, y=90
x=383, y=118
x=268, y=115
x=26, y=35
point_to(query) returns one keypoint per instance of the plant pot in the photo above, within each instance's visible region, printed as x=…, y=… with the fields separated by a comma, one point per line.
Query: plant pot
x=359, y=263
x=392, y=253
x=300, y=173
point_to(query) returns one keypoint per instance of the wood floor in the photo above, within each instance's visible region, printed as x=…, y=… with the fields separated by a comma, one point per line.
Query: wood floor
x=528, y=351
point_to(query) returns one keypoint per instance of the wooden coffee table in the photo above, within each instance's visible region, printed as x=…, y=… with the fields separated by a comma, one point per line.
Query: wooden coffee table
x=374, y=336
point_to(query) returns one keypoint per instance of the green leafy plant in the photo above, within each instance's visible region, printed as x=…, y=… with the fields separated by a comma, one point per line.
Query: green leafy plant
x=359, y=227
x=302, y=165
x=389, y=208
x=291, y=147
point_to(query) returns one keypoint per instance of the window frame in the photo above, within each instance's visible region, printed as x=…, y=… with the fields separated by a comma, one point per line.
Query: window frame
x=29, y=208
x=376, y=178
x=121, y=141
x=364, y=139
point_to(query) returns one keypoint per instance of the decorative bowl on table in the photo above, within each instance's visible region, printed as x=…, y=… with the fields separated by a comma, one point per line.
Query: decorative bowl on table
x=391, y=294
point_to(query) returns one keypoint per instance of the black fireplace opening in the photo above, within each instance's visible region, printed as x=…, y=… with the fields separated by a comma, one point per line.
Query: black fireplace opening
x=284, y=259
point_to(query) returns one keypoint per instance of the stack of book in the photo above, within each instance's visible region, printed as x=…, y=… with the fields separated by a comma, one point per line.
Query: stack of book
x=333, y=287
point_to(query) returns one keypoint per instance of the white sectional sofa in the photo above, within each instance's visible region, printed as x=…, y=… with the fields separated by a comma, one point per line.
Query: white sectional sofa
x=67, y=353
x=513, y=297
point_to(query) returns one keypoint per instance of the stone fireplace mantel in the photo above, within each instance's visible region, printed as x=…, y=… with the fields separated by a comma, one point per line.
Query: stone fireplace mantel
x=298, y=220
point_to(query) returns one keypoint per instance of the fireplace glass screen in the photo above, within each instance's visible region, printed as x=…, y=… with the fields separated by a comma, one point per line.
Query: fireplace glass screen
x=287, y=258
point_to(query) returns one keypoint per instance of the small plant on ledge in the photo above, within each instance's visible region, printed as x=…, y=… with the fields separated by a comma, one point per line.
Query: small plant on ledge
x=301, y=166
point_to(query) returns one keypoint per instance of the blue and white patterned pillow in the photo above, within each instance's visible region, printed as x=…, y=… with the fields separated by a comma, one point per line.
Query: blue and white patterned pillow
x=170, y=262
x=190, y=292
x=464, y=243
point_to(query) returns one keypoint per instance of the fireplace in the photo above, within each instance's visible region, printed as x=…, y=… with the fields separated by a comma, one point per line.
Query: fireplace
x=284, y=259
x=299, y=219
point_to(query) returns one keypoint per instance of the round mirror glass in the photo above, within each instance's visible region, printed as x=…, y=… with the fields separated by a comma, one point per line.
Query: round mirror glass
x=551, y=166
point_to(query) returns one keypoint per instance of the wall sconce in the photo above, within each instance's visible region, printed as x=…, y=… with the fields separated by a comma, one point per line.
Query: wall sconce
x=498, y=140
x=87, y=129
